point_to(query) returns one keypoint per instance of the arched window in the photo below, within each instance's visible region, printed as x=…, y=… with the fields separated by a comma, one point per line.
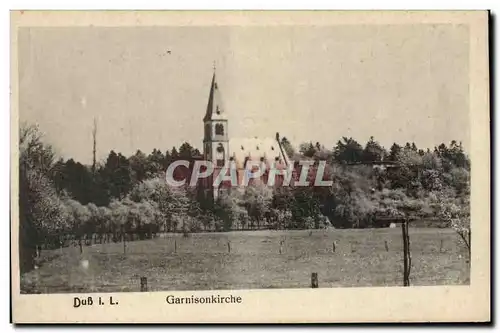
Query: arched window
x=219, y=129
x=221, y=155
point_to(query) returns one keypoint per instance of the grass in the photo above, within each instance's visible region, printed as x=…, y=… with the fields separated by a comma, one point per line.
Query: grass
x=202, y=261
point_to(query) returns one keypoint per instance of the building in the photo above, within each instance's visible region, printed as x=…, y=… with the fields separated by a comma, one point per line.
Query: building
x=234, y=153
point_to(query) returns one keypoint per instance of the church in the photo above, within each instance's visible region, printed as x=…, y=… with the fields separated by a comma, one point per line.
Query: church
x=226, y=152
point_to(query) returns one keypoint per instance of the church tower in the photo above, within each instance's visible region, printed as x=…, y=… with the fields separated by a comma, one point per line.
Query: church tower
x=215, y=141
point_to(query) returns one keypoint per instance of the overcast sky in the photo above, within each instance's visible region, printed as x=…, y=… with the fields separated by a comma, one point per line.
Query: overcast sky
x=397, y=83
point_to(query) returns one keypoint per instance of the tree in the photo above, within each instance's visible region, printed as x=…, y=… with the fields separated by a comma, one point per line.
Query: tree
x=282, y=205
x=174, y=154
x=40, y=210
x=307, y=149
x=119, y=216
x=373, y=151
x=398, y=206
x=93, y=223
x=187, y=152
x=460, y=181
x=34, y=153
x=348, y=151
x=139, y=167
x=80, y=216
x=306, y=205
x=173, y=203
x=287, y=147
x=410, y=157
x=431, y=161
x=232, y=210
x=395, y=152
x=457, y=156
x=257, y=200
x=104, y=224
x=456, y=212
x=431, y=180
x=76, y=179
x=117, y=175
x=156, y=163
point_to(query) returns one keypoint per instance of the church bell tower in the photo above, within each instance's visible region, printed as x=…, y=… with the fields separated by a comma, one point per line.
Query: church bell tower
x=215, y=141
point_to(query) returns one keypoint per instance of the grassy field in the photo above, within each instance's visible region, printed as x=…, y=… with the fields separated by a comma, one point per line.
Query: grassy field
x=202, y=261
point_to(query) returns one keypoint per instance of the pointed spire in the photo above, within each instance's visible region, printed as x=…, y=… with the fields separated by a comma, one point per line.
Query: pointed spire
x=215, y=110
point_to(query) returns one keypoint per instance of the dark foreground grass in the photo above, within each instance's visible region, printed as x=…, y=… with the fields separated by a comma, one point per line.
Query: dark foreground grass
x=202, y=262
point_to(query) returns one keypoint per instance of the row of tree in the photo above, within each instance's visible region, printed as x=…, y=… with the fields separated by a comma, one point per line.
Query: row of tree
x=349, y=151
x=127, y=198
x=114, y=178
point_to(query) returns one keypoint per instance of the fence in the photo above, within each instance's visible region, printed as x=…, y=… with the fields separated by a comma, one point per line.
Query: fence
x=314, y=282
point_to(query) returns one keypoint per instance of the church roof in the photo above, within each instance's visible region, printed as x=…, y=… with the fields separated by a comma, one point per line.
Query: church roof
x=215, y=109
x=267, y=150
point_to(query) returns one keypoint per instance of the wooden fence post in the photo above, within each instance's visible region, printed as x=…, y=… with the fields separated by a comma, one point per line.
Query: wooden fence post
x=406, y=253
x=386, y=246
x=314, y=280
x=333, y=247
x=175, y=245
x=144, y=283
x=228, y=247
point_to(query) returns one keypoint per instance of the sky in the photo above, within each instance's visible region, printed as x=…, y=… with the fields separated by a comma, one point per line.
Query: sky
x=397, y=83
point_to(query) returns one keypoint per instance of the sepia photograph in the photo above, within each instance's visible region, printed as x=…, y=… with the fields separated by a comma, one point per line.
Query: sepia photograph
x=210, y=159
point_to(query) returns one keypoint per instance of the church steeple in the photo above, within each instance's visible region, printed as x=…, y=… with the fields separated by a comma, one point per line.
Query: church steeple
x=216, y=139
x=215, y=109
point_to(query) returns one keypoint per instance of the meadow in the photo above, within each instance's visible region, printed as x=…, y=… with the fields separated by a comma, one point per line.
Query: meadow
x=252, y=260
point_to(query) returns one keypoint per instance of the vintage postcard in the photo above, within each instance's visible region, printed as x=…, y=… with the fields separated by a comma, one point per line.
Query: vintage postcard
x=250, y=167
